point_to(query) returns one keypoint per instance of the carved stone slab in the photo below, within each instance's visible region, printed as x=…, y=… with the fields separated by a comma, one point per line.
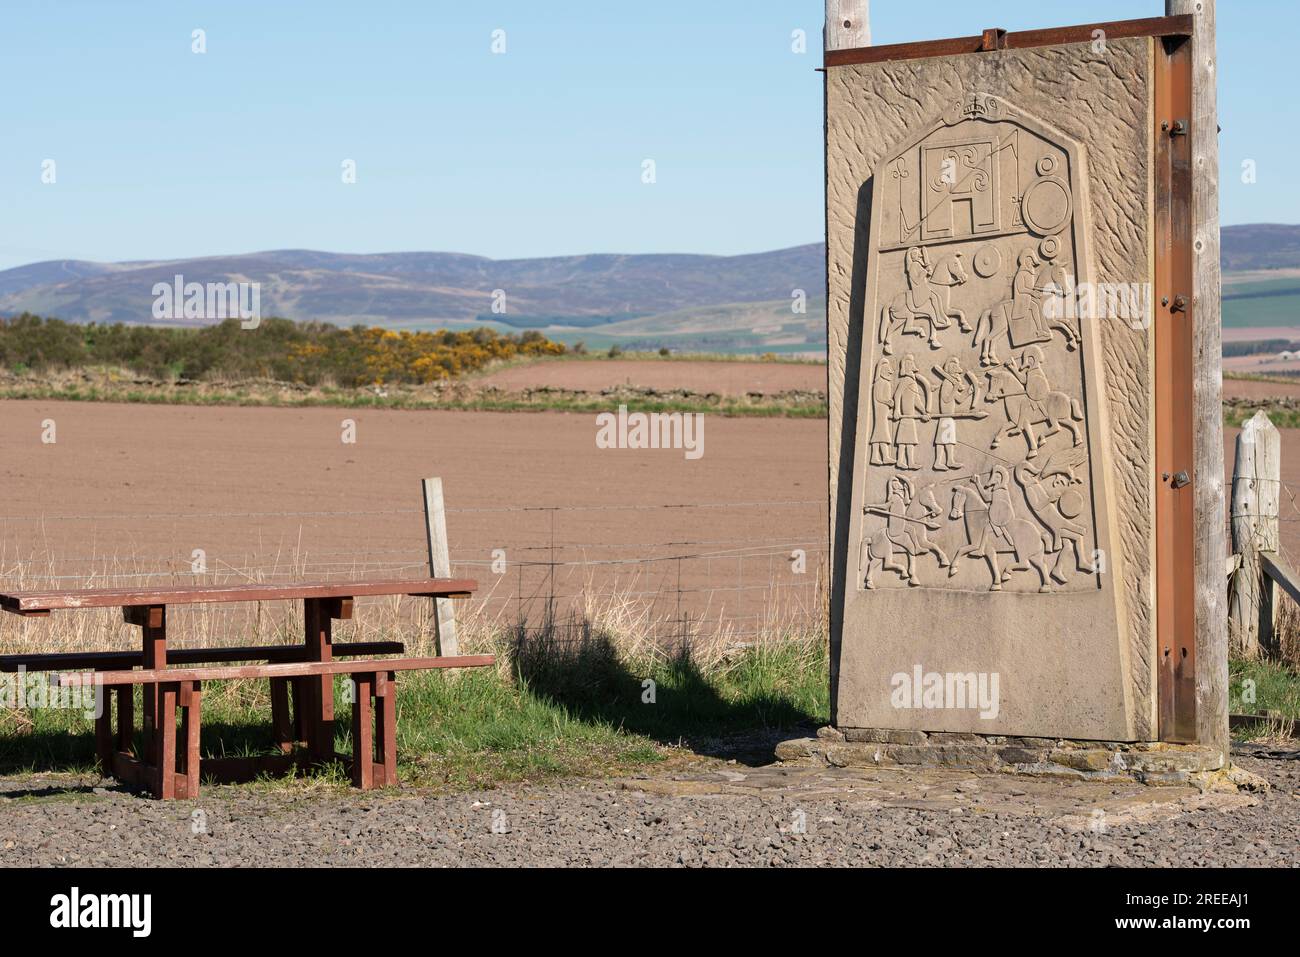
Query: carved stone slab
x=987, y=477
x=975, y=456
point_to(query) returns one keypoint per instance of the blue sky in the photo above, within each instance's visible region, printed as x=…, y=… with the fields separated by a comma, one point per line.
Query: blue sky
x=162, y=153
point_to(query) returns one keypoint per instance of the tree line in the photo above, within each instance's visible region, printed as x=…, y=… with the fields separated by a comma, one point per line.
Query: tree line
x=313, y=353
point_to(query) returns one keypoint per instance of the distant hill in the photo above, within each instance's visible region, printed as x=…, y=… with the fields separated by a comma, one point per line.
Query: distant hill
x=403, y=289
x=709, y=303
x=1259, y=246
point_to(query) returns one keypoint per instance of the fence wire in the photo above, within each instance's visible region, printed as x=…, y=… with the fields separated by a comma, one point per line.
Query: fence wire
x=682, y=583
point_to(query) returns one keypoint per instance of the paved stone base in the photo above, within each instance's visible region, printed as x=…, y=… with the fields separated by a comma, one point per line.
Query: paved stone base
x=1152, y=763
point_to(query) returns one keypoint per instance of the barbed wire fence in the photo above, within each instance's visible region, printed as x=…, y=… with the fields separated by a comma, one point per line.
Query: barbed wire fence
x=749, y=566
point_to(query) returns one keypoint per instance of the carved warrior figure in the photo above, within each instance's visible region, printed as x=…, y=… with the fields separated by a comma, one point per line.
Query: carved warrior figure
x=1054, y=284
x=1025, y=325
x=911, y=402
x=1023, y=319
x=909, y=520
x=957, y=387
x=1054, y=503
x=1028, y=400
x=926, y=298
x=998, y=529
x=989, y=184
x=882, y=407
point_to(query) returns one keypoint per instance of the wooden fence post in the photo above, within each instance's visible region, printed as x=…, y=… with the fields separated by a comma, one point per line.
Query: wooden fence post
x=1256, y=486
x=1210, y=552
x=435, y=522
x=847, y=25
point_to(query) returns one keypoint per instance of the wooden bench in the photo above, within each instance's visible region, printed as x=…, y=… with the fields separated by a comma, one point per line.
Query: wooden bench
x=119, y=660
x=304, y=734
x=176, y=772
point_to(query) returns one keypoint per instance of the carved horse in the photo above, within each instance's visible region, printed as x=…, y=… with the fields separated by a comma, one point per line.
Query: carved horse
x=1057, y=409
x=1022, y=539
x=994, y=323
x=910, y=534
x=901, y=314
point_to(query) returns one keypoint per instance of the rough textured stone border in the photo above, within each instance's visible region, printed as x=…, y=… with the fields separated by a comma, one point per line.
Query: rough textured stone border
x=1151, y=763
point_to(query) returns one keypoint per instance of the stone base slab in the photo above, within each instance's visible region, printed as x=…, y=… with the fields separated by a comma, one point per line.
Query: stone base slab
x=1153, y=763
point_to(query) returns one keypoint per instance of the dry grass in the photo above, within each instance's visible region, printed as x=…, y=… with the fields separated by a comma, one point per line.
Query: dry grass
x=1288, y=634
x=568, y=696
x=625, y=627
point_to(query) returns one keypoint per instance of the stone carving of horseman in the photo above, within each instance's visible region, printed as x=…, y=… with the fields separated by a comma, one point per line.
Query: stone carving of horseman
x=909, y=519
x=1026, y=323
x=926, y=299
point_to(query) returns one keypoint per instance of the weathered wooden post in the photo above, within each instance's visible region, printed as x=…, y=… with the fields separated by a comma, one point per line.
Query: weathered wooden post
x=848, y=24
x=1256, y=483
x=1026, y=490
x=435, y=523
x=1210, y=535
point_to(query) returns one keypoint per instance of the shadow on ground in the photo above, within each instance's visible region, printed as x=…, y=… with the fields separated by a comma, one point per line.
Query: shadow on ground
x=737, y=715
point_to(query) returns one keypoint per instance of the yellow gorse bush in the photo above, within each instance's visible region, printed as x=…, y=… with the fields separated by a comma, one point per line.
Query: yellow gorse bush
x=377, y=356
x=308, y=352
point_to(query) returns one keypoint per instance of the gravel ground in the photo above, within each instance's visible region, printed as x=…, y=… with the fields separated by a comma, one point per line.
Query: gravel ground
x=709, y=813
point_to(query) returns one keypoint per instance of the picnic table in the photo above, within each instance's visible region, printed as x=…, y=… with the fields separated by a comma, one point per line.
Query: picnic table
x=302, y=723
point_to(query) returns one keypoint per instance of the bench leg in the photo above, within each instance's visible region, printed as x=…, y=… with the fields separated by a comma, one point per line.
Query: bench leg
x=164, y=741
x=319, y=716
x=125, y=695
x=363, y=748
x=386, y=728
x=299, y=709
x=191, y=700
x=104, y=729
x=281, y=727
x=153, y=628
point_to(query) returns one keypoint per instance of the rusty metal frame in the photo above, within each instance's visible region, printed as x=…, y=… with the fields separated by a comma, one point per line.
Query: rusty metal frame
x=998, y=39
x=1173, y=319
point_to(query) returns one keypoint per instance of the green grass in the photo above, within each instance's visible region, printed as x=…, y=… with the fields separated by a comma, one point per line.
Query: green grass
x=1282, y=416
x=1276, y=691
x=1276, y=688
x=564, y=708
x=1264, y=302
x=538, y=401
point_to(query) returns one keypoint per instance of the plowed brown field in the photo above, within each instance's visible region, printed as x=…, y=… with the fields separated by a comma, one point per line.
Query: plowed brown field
x=725, y=378
x=131, y=491
x=276, y=494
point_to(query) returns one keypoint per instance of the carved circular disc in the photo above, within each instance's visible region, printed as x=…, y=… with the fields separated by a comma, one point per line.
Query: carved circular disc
x=1045, y=206
x=1046, y=165
x=987, y=261
x=1070, y=503
x=1049, y=247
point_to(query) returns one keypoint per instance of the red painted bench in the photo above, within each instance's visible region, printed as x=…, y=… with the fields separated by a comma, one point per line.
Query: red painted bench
x=303, y=734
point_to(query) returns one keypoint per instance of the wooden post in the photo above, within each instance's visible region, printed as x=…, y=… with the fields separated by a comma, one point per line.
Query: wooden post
x=847, y=24
x=1256, y=483
x=1210, y=536
x=435, y=522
